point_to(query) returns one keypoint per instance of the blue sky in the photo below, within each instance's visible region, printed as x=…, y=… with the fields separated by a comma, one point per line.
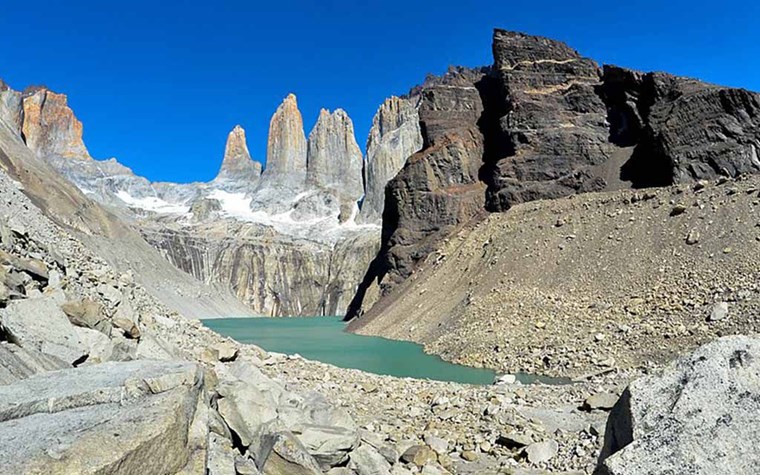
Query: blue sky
x=160, y=84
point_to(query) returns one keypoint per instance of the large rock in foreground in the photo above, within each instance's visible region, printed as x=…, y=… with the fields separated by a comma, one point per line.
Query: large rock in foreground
x=118, y=418
x=701, y=416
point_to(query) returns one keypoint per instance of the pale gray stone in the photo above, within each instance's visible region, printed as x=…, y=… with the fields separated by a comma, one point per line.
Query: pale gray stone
x=700, y=416
x=365, y=460
x=282, y=454
x=98, y=419
x=329, y=445
x=40, y=323
x=541, y=452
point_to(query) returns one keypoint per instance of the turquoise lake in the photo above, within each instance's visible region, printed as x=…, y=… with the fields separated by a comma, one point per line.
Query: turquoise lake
x=324, y=339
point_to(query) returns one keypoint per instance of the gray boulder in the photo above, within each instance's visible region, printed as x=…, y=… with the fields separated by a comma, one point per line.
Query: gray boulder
x=365, y=460
x=700, y=416
x=18, y=363
x=282, y=454
x=40, y=324
x=329, y=445
x=116, y=418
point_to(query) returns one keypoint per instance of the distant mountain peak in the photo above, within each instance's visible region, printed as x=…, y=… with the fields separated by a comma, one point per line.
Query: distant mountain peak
x=237, y=163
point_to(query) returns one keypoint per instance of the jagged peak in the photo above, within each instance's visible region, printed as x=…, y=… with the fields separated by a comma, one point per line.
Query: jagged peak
x=337, y=121
x=286, y=143
x=50, y=127
x=237, y=162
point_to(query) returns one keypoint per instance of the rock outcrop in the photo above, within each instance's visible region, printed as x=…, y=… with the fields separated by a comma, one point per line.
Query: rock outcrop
x=286, y=144
x=271, y=274
x=334, y=160
x=395, y=135
x=553, y=131
x=237, y=164
x=119, y=418
x=50, y=127
x=439, y=188
x=544, y=122
x=682, y=129
x=699, y=416
x=11, y=108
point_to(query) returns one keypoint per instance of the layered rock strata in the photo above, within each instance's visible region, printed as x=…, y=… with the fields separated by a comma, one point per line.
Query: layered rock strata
x=438, y=189
x=553, y=130
x=546, y=123
x=273, y=276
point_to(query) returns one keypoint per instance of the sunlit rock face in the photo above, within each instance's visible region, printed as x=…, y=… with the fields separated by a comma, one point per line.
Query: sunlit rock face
x=11, y=109
x=334, y=158
x=50, y=127
x=286, y=241
x=237, y=164
x=286, y=144
x=395, y=135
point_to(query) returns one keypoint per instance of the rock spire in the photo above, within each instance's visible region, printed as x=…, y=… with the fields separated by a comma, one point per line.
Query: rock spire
x=237, y=163
x=334, y=158
x=395, y=135
x=286, y=144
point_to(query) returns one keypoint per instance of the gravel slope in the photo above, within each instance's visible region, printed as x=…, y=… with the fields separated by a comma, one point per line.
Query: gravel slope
x=589, y=283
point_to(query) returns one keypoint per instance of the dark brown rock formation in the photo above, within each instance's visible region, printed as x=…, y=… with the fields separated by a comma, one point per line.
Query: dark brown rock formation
x=682, y=129
x=438, y=189
x=554, y=124
x=545, y=122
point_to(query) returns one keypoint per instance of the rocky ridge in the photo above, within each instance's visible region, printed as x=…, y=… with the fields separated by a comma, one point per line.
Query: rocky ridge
x=303, y=207
x=543, y=123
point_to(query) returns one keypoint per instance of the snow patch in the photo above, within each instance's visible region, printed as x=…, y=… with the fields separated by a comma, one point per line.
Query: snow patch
x=157, y=205
x=238, y=206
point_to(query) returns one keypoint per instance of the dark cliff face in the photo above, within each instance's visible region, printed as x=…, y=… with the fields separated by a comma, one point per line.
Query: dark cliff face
x=555, y=122
x=544, y=122
x=683, y=130
x=439, y=186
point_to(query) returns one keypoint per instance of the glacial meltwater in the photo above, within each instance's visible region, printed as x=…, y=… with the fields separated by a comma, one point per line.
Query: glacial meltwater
x=325, y=339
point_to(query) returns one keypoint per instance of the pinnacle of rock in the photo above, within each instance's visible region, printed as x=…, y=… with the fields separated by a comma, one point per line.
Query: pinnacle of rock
x=237, y=163
x=394, y=136
x=334, y=158
x=50, y=127
x=286, y=144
